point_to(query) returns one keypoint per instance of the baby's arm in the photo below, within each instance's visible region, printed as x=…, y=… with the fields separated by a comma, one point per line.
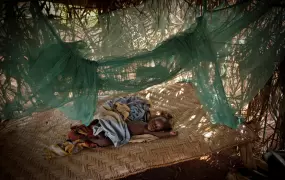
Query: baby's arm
x=139, y=128
x=162, y=134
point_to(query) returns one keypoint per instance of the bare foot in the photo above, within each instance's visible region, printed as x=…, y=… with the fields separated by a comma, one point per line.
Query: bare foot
x=173, y=133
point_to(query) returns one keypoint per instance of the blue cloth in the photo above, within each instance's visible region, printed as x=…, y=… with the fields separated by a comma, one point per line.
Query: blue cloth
x=117, y=131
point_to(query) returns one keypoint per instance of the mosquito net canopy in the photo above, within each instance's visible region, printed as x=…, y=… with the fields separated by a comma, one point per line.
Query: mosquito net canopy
x=55, y=54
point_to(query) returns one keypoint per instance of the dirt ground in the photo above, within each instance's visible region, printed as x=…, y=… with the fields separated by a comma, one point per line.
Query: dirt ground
x=215, y=166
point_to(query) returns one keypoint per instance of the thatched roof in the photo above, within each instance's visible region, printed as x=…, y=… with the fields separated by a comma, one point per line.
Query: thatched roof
x=101, y=5
x=110, y=5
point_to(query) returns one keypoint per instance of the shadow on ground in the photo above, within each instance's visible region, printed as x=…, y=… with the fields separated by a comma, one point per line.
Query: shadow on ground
x=215, y=166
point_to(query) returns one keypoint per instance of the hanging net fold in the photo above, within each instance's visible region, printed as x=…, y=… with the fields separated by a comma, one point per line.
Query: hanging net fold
x=63, y=56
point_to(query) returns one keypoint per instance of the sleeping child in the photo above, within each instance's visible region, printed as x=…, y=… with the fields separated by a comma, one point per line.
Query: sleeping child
x=119, y=121
x=158, y=126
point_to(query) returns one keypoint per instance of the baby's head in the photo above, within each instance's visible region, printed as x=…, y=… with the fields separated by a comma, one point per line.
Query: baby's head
x=160, y=122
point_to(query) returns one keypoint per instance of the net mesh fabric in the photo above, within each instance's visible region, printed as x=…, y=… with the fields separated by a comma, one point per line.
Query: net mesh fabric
x=57, y=54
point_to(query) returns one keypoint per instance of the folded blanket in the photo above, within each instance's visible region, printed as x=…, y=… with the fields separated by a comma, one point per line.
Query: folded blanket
x=137, y=108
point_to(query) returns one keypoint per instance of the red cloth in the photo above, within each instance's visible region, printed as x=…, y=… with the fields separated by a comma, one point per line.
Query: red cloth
x=78, y=138
x=83, y=133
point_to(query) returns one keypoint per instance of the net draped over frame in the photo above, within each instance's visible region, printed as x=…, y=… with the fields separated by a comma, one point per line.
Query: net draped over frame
x=56, y=54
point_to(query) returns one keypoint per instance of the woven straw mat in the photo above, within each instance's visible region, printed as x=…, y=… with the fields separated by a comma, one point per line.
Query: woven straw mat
x=22, y=142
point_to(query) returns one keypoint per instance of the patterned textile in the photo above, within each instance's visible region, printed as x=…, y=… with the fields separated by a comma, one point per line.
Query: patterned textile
x=138, y=107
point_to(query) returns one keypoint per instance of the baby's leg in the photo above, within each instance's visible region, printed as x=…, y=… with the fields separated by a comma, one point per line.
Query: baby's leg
x=101, y=140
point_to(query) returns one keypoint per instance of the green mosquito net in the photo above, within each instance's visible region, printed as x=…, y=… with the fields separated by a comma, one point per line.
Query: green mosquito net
x=64, y=56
